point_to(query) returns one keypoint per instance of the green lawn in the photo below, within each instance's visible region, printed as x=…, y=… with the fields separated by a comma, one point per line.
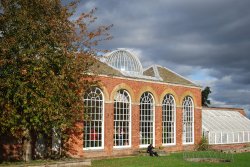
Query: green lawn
x=173, y=160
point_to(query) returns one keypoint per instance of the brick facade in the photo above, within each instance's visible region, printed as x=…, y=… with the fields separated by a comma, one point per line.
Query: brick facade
x=10, y=148
x=136, y=87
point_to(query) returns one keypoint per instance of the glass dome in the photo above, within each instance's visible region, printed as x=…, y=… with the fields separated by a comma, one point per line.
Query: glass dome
x=124, y=61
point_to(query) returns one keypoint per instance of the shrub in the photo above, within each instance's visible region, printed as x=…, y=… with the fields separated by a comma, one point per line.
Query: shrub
x=203, y=145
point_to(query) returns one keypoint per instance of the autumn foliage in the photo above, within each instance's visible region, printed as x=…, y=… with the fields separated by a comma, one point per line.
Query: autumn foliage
x=44, y=62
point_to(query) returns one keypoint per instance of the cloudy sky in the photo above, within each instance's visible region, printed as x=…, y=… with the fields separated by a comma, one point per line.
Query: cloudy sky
x=207, y=41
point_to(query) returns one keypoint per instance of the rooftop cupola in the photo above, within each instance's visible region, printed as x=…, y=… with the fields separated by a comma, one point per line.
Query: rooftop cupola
x=125, y=61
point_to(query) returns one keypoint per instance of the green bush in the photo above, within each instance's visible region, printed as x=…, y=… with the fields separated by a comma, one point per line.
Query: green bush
x=203, y=145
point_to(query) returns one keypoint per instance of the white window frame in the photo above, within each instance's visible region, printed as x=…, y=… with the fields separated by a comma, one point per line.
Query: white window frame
x=168, y=100
x=119, y=99
x=152, y=103
x=91, y=93
x=187, y=108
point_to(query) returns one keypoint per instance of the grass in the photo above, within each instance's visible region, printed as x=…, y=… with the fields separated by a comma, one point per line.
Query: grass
x=174, y=160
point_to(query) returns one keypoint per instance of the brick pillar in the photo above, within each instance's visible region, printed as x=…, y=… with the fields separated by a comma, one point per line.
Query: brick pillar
x=108, y=128
x=158, y=126
x=135, y=128
x=179, y=127
x=197, y=125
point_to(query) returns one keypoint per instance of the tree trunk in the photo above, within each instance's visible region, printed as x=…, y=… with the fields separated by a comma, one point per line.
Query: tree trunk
x=27, y=147
x=1, y=149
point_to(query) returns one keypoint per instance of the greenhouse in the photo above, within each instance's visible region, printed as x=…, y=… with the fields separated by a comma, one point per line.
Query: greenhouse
x=225, y=126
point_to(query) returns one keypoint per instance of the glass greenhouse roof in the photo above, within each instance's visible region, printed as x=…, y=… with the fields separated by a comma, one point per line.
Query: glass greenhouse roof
x=224, y=121
x=124, y=61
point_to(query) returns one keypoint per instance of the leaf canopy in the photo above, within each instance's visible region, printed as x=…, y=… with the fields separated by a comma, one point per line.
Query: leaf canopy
x=44, y=62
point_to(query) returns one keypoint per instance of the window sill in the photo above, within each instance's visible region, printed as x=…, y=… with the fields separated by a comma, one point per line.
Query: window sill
x=169, y=145
x=185, y=144
x=121, y=147
x=93, y=149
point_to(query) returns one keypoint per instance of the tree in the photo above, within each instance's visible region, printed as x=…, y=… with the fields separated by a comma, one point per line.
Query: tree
x=205, y=93
x=44, y=63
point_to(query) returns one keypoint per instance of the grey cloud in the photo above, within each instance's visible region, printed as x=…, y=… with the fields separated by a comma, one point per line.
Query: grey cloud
x=186, y=36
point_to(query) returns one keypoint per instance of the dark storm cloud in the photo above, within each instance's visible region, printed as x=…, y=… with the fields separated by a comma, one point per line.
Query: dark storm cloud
x=186, y=36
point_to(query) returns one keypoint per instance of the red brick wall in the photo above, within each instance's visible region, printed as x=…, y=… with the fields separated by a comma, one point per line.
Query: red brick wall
x=10, y=148
x=135, y=126
x=111, y=85
x=228, y=146
x=240, y=110
x=158, y=126
x=11, y=152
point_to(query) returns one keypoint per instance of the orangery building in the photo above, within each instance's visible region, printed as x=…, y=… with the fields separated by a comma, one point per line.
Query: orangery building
x=135, y=106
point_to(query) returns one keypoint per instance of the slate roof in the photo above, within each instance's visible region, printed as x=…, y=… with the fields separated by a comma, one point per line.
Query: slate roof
x=165, y=74
x=149, y=72
x=102, y=68
x=172, y=77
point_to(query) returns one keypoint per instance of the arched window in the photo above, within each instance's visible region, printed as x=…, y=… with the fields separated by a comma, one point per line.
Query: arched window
x=122, y=119
x=146, y=119
x=94, y=119
x=188, y=120
x=168, y=119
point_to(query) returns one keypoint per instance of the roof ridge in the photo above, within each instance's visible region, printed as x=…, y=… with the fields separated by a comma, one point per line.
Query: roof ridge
x=155, y=69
